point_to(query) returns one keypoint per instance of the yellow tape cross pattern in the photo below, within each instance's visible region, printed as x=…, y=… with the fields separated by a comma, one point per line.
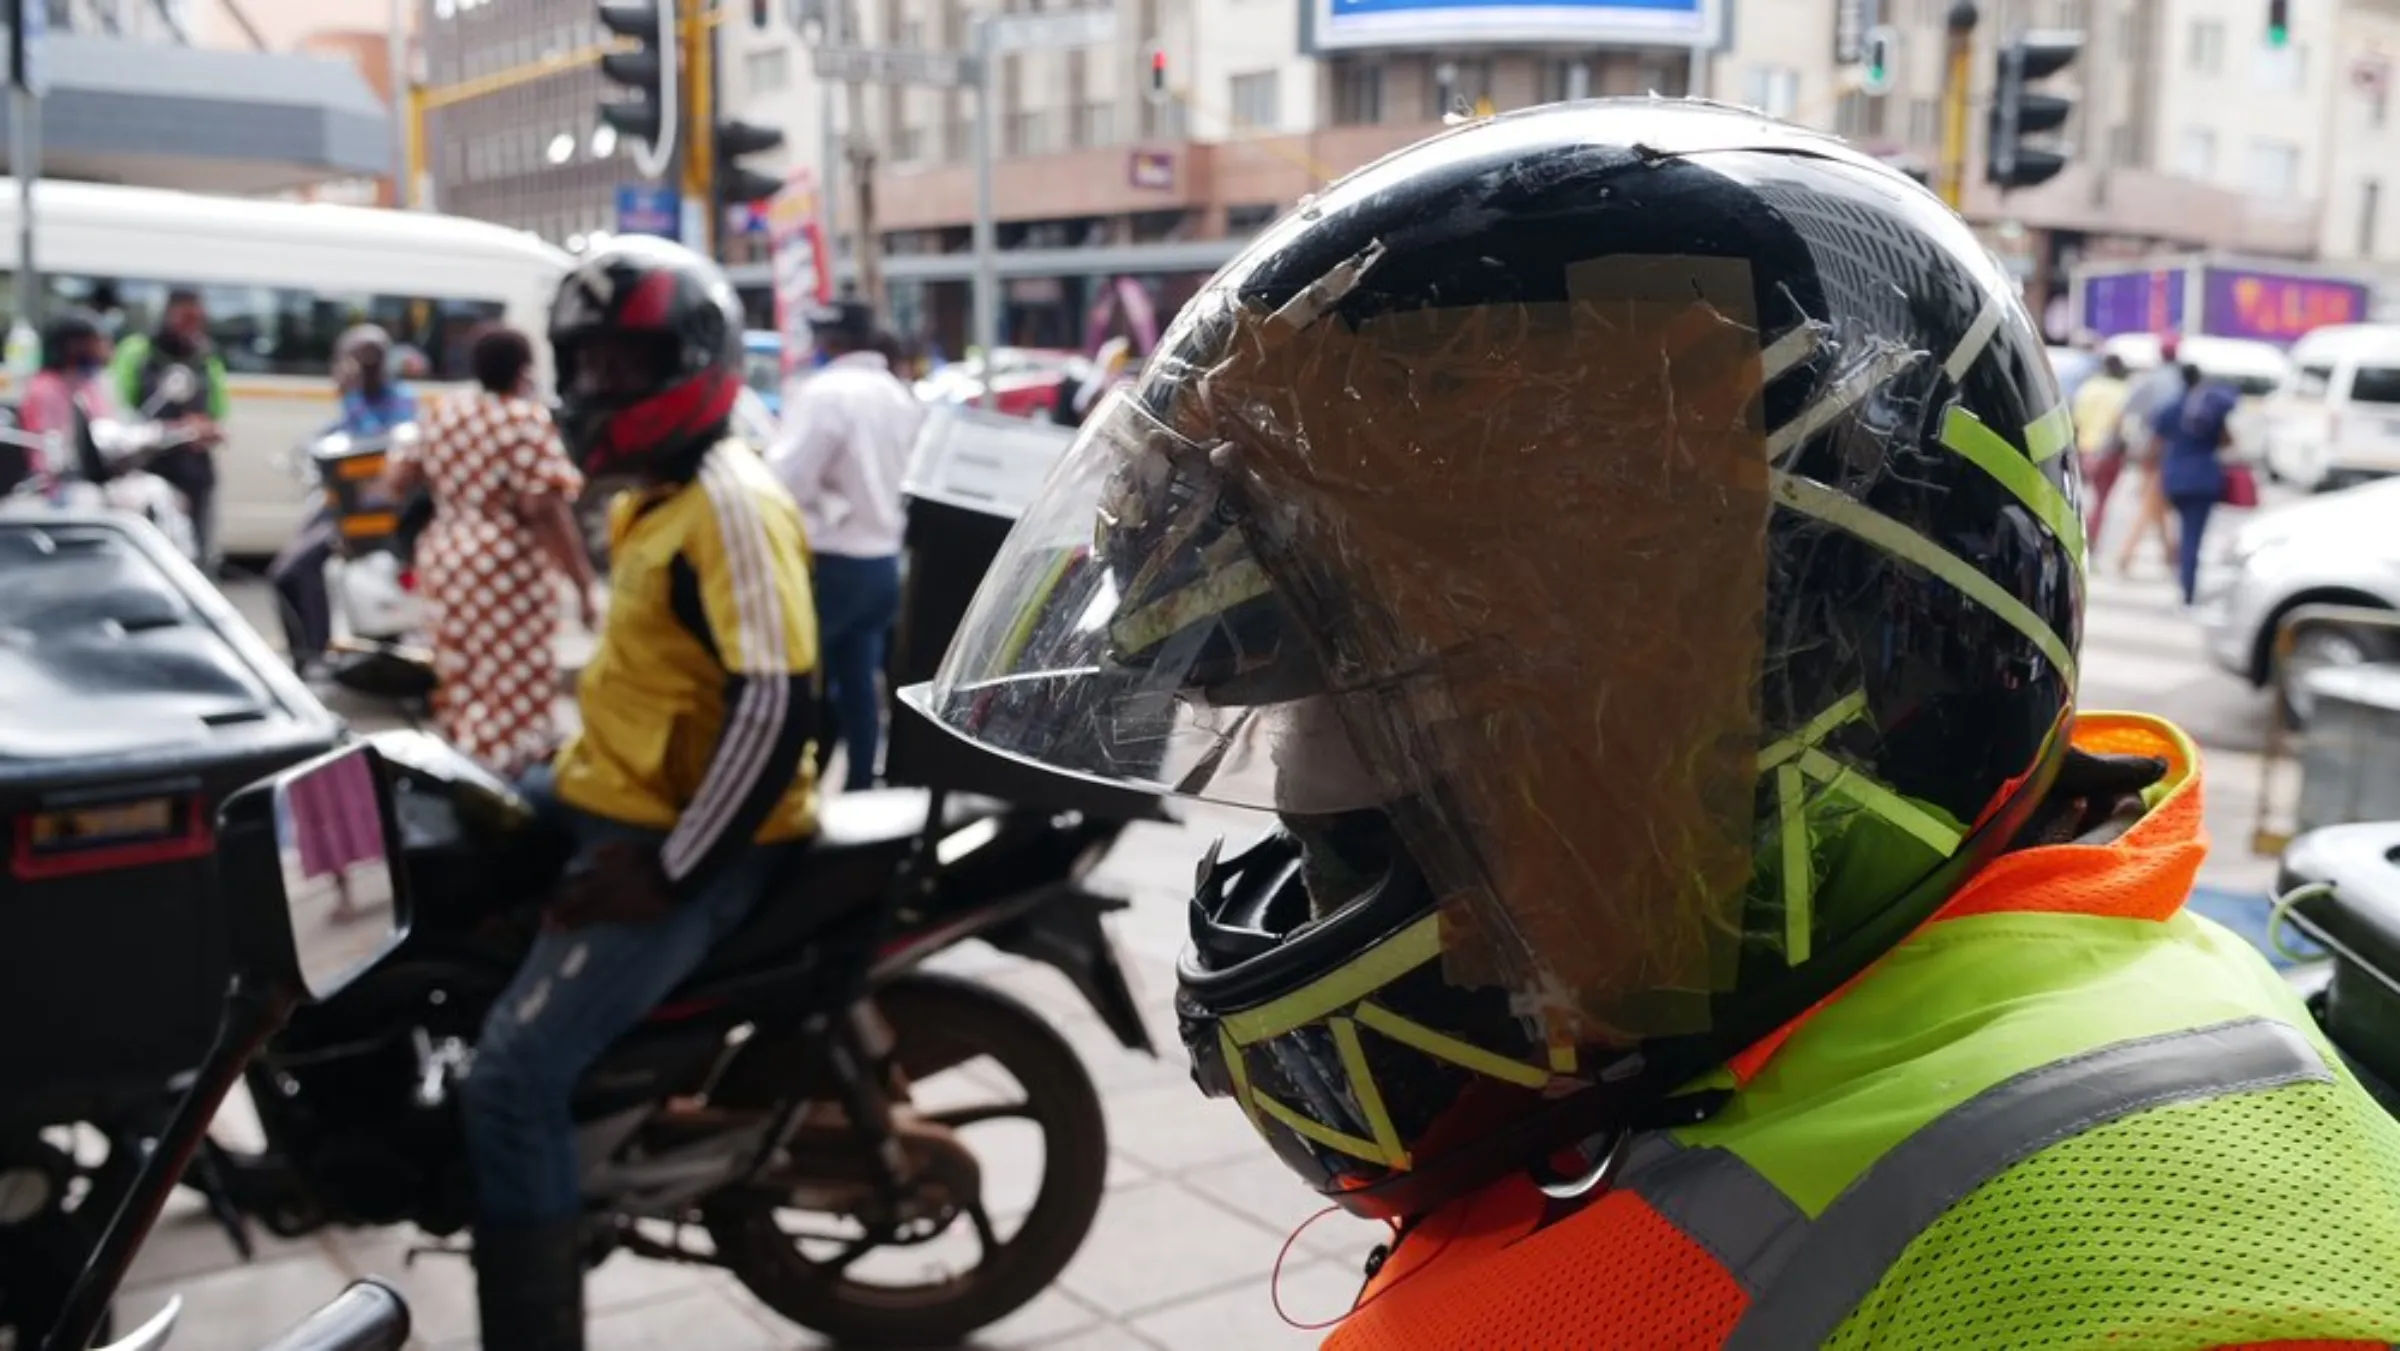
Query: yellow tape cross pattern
x=1967, y=434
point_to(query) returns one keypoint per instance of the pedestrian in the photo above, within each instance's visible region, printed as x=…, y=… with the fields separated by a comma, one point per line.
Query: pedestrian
x=2099, y=412
x=338, y=826
x=489, y=564
x=846, y=439
x=372, y=404
x=139, y=373
x=2156, y=389
x=2193, y=433
x=67, y=394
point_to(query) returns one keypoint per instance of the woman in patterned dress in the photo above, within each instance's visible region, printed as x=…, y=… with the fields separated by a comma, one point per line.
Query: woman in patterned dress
x=503, y=531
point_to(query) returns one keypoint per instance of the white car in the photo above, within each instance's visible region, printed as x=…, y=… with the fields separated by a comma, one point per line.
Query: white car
x=2335, y=549
x=2338, y=420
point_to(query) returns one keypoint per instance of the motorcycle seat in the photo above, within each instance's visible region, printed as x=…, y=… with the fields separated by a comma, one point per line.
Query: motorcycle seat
x=861, y=840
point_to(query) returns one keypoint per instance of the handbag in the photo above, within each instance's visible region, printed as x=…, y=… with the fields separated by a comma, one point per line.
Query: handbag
x=2241, y=487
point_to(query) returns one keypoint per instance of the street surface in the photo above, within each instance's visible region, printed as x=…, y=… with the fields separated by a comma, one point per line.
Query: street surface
x=1197, y=1211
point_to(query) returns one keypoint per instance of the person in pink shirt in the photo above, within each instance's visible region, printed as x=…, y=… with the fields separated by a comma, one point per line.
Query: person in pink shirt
x=75, y=350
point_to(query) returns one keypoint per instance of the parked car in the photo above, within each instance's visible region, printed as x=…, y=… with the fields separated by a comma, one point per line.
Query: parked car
x=2257, y=369
x=2338, y=549
x=1026, y=381
x=2338, y=421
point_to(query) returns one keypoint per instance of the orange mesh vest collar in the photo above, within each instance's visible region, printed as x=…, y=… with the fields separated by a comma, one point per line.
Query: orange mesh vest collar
x=1618, y=1271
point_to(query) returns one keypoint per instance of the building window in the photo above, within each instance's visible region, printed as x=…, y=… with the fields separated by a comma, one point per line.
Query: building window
x=1566, y=81
x=1850, y=114
x=2069, y=15
x=1357, y=94
x=2123, y=153
x=2274, y=169
x=2206, y=51
x=2196, y=153
x=1773, y=90
x=767, y=70
x=1924, y=121
x=1249, y=219
x=1255, y=100
x=2370, y=202
x=1096, y=125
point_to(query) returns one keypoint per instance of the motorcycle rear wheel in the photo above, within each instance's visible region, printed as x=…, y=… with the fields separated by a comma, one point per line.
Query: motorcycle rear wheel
x=939, y=1020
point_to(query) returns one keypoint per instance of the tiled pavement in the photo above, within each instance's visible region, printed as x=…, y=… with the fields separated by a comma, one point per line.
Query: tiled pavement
x=1197, y=1211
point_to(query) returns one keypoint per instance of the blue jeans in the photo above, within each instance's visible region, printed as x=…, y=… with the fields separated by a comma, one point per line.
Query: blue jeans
x=2192, y=513
x=575, y=995
x=857, y=601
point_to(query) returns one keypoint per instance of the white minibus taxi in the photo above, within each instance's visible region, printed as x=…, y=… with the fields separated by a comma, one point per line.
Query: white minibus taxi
x=2339, y=420
x=280, y=281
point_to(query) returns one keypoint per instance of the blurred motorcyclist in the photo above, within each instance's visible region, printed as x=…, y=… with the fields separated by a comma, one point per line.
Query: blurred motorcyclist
x=689, y=777
x=139, y=371
x=372, y=404
x=1633, y=547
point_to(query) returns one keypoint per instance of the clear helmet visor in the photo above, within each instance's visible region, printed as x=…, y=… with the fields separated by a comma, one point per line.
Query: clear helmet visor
x=1128, y=632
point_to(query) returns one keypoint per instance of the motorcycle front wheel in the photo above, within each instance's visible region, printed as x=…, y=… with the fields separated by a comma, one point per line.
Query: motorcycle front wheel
x=942, y=1025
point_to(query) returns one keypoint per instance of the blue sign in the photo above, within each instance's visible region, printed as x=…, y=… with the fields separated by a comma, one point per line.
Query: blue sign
x=648, y=209
x=1338, y=25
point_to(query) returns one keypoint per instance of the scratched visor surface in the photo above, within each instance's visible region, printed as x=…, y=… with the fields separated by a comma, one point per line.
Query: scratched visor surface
x=1497, y=571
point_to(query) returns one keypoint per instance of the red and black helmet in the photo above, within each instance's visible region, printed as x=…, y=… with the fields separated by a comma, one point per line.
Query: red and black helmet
x=647, y=336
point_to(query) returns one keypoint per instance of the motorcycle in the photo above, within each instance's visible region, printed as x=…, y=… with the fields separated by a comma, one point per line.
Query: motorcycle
x=2340, y=892
x=110, y=466
x=377, y=647
x=782, y=1076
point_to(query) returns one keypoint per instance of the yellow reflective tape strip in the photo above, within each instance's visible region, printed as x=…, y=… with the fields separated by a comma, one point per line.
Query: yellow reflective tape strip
x=1320, y=1132
x=1338, y=989
x=2050, y=434
x=1965, y=433
x=1363, y=1087
x=1442, y=1046
x=1562, y=1058
x=1811, y=498
x=1799, y=865
x=1818, y=728
x=1239, y=1072
x=1882, y=801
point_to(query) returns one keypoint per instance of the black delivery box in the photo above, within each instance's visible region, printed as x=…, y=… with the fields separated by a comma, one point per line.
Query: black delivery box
x=133, y=700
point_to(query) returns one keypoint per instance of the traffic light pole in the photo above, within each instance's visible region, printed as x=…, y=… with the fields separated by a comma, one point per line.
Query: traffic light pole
x=1958, y=75
x=697, y=146
x=987, y=241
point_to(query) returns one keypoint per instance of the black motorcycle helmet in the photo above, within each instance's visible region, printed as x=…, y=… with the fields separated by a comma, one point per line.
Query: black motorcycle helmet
x=67, y=329
x=647, y=337
x=1631, y=547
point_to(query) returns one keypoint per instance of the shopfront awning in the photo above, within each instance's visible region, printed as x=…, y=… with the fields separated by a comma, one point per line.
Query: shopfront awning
x=160, y=115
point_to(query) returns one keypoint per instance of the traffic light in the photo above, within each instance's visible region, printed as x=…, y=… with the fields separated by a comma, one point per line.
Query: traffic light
x=2018, y=112
x=737, y=182
x=2279, y=22
x=1156, y=90
x=1879, y=60
x=648, y=70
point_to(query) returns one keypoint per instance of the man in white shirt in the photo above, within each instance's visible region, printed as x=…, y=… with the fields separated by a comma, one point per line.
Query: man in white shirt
x=846, y=436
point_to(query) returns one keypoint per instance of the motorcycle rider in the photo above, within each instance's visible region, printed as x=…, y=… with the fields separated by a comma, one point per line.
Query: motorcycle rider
x=1632, y=547
x=372, y=404
x=689, y=777
x=68, y=392
x=140, y=365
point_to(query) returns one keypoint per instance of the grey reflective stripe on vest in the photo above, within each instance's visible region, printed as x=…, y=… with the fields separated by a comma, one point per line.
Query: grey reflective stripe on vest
x=1804, y=1277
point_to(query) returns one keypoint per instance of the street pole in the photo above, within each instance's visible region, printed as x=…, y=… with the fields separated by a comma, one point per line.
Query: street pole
x=25, y=160
x=987, y=260
x=866, y=242
x=697, y=145
x=395, y=41
x=1960, y=73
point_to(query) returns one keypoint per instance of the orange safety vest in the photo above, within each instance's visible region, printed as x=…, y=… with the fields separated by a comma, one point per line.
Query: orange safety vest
x=1510, y=1268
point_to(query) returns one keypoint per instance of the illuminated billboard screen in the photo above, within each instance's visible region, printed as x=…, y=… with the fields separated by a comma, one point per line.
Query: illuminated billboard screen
x=1347, y=25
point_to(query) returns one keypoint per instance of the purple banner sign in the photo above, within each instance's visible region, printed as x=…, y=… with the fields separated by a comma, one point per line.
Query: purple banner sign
x=2276, y=308
x=2134, y=302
